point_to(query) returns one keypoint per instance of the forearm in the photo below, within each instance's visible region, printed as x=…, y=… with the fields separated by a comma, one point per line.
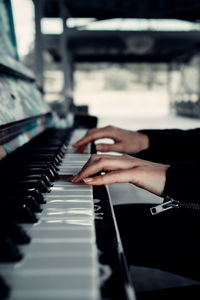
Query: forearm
x=182, y=181
x=170, y=145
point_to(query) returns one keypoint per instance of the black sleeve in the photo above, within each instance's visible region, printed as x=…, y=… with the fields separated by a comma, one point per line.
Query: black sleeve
x=170, y=145
x=183, y=181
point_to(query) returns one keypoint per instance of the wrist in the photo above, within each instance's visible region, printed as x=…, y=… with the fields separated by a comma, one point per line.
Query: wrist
x=144, y=141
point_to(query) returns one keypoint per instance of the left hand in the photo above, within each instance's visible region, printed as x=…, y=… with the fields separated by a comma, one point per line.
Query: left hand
x=124, y=168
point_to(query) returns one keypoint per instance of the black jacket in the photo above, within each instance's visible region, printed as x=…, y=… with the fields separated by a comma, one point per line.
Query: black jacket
x=181, y=150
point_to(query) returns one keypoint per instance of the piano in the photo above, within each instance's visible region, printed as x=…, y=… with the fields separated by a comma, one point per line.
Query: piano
x=57, y=240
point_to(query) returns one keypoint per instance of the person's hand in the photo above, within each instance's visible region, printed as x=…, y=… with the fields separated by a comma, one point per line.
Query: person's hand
x=124, y=168
x=125, y=141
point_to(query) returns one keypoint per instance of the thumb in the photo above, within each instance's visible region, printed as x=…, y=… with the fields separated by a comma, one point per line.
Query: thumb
x=108, y=147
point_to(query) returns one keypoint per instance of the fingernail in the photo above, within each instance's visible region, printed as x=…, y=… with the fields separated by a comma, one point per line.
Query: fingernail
x=74, y=178
x=89, y=179
x=99, y=147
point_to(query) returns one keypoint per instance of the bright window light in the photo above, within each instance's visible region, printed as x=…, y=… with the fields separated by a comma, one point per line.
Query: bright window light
x=134, y=24
x=23, y=13
x=51, y=26
x=78, y=22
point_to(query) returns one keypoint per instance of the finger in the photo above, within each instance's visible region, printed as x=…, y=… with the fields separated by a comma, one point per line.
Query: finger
x=109, y=178
x=81, y=149
x=91, y=160
x=88, y=133
x=90, y=169
x=94, y=135
x=109, y=147
x=98, y=164
x=65, y=177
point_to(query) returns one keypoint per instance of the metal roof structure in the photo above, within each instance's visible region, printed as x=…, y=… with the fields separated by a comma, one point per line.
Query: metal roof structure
x=82, y=45
x=127, y=46
x=103, y=9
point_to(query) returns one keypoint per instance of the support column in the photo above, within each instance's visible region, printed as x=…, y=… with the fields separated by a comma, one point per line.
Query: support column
x=39, y=63
x=170, y=96
x=198, y=88
x=66, y=63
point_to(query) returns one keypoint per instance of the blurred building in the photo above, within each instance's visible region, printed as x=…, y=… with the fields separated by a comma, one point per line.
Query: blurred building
x=106, y=31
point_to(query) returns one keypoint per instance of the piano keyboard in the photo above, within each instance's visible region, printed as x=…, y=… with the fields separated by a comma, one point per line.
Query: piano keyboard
x=66, y=228
x=61, y=260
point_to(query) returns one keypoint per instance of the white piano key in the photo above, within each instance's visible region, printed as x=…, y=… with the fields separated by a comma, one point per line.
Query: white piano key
x=75, y=248
x=60, y=282
x=70, y=188
x=57, y=212
x=61, y=226
x=71, y=164
x=73, y=240
x=66, y=217
x=73, y=193
x=54, y=294
x=69, y=263
x=9, y=271
x=69, y=171
x=69, y=200
x=66, y=205
x=61, y=184
x=75, y=157
x=40, y=287
x=85, y=222
x=73, y=187
x=68, y=197
x=62, y=233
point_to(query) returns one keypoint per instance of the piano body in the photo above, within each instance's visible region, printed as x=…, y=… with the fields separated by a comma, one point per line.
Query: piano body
x=57, y=240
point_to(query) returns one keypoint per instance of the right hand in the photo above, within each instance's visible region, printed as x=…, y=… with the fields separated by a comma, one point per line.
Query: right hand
x=125, y=141
x=123, y=168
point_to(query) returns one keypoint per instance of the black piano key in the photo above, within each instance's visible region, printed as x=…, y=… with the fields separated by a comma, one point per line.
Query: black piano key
x=22, y=192
x=51, y=158
x=25, y=168
x=42, y=171
x=24, y=215
x=32, y=203
x=36, y=194
x=43, y=164
x=23, y=176
x=19, y=161
x=26, y=184
x=17, y=234
x=9, y=252
x=19, y=212
x=42, y=177
x=17, y=199
x=42, y=168
x=53, y=151
x=4, y=289
x=38, y=184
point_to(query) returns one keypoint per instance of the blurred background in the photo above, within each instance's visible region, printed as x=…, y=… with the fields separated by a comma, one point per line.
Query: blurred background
x=134, y=65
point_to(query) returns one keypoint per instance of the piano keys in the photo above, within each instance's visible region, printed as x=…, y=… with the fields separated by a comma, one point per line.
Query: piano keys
x=66, y=257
